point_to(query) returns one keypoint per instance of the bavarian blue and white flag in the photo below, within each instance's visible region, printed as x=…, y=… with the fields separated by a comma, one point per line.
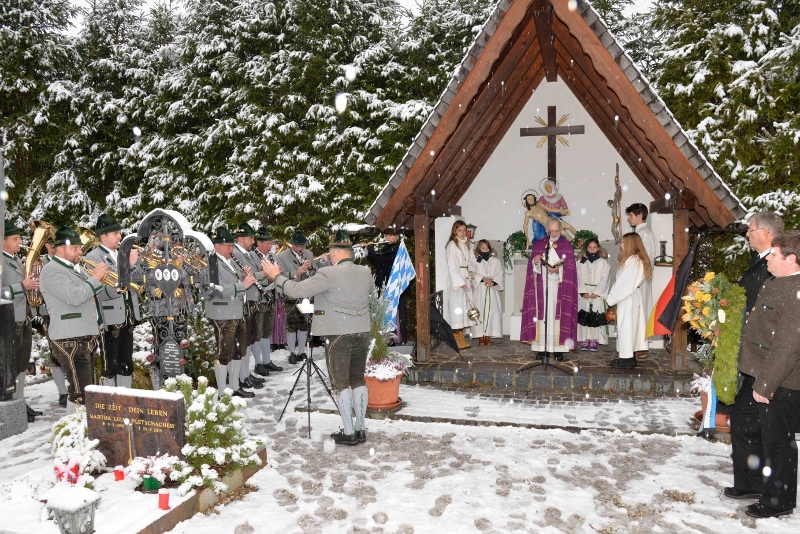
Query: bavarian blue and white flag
x=401, y=276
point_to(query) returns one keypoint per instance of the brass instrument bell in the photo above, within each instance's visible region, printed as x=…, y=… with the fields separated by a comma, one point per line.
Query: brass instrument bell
x=42, y=231
x=89, y=239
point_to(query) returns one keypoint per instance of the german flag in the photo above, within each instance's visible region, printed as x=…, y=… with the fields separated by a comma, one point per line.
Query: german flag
x=664, y=315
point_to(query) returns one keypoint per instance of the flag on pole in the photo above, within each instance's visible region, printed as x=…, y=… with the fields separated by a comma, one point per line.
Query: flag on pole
x=654, y=328
x=672, y=310
x=401, y=275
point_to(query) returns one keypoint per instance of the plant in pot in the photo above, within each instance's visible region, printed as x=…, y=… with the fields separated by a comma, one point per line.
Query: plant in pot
x=580, y=239
x=153, y=471
x=385, y=366
x=515, y=243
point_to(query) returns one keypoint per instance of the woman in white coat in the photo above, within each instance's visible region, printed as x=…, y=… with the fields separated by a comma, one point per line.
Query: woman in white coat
x=460, y=264
x=486, y=296
x=634, y=268
x=594, y=276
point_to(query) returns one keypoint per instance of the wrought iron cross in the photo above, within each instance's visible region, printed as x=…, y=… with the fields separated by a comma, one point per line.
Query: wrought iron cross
x=550, y=131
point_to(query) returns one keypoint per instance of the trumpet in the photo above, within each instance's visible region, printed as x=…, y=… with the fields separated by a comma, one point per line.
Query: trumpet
x=110, y=279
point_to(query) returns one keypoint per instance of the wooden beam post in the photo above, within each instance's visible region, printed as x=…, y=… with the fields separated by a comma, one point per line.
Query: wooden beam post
x=543, y=17
x=422, y=257
x=680, y=247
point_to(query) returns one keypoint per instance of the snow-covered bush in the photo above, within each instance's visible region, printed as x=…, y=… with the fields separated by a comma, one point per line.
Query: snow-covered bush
x=216, y=439
x=71, y=444
x=159, y=468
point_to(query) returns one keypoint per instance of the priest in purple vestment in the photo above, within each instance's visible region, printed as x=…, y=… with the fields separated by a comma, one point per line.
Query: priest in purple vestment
x=553, y=257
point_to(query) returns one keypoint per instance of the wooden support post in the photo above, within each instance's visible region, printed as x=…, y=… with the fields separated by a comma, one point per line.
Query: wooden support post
x=680, y=247
x=421, y=264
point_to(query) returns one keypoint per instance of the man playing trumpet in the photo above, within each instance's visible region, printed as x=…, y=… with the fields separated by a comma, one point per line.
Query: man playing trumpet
x=120, y=311
x=74, y=312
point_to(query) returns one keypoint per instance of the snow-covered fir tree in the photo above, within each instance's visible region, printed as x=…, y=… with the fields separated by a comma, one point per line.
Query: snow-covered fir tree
x=36, y=55
x=725, y=70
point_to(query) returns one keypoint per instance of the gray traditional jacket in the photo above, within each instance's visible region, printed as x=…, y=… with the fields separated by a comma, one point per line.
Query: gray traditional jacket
x=70, y=297
x=256, y=259
x=341, y=297
x=246, y=259
x=225, y=302
x=112, y=303
x=770, y=349
x=13, y=275
x=42, y=310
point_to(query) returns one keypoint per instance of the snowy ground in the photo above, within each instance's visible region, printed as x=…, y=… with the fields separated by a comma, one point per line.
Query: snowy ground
x=622, y=467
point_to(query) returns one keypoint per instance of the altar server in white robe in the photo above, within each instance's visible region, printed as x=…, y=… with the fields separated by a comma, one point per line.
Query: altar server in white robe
x=486, y=295
x=626, y=294
x=637, y=218
x=460, y=264
x=594, y=278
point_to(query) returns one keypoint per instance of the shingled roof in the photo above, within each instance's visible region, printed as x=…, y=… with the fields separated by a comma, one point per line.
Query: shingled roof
x=522, y=43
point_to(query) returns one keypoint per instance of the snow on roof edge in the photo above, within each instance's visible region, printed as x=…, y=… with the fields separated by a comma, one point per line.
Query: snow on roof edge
x=586, y=12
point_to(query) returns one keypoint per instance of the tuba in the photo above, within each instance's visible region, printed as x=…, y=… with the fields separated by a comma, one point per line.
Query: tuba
x=89, y=239
x=42, y=231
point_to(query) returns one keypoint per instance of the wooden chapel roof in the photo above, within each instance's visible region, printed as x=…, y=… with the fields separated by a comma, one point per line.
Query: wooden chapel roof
x=521, y=44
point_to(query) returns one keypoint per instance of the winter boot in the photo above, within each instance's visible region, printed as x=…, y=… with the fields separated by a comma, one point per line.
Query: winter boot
x=460, y=341
x=360, y=401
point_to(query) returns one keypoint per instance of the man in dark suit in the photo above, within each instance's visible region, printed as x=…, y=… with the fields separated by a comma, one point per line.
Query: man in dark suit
x=770, y=354
x=745, y=427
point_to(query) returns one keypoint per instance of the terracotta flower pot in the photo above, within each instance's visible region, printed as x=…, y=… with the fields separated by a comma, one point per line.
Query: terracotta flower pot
x=721, y=421
x=383, y=395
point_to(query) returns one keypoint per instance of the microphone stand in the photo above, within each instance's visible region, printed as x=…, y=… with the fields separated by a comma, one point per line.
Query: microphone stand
x=546, y=283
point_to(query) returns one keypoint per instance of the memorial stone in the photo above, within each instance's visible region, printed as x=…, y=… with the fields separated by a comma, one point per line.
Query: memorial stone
x=132, y=422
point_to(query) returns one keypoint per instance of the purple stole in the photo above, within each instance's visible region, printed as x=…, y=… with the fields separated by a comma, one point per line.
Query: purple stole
x=567, y=299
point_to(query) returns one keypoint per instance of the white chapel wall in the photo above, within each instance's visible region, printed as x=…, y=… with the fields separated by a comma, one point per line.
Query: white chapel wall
x=585, y=170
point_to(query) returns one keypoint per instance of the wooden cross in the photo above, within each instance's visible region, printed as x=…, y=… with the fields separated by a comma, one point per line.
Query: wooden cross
x=551, y=130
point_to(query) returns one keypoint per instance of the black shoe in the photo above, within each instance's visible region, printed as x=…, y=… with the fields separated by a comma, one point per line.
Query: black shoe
x=272, y=367
x=558, y=356
x=32, y=412
x=540, y=356
x=31, y=418
x=256, y=379
x=248, y=383
x=340, y=438
x=760, y=511
x=302, y=357
x=735, y=493
x=292, y=358
x=623, y=363
x=242, y=393
x=361, y=436
x=62, y=399
x=261, y=369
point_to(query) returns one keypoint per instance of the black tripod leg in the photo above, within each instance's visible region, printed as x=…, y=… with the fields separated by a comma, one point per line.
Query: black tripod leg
x=298, y=373
x=309, y=362
x=322, y=379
